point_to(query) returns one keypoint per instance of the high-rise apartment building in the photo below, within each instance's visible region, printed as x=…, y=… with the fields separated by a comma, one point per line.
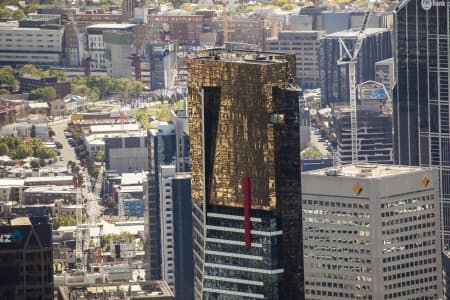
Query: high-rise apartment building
x=245, y=169
x=26, y=259
x=372, y=232
x=305, y=45
x=421, y=101
x=333, y=77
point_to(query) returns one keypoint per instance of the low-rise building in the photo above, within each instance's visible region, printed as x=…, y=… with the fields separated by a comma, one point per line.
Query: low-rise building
x=28, y=83
x=48, y=194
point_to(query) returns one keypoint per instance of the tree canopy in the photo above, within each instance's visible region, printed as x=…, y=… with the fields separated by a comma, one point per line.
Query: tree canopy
x=17, y=148
x=7, y=78
x=44, y=94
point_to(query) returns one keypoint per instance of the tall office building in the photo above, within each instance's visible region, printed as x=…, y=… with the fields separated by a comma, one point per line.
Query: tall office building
x=161, y=151
x=333, y=77
x=245, y=168
x=372, y=232
x=26, y=259
x=176, y=232
x=421, y=101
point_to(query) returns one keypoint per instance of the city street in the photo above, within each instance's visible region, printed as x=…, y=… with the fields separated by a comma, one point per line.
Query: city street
x=93, y=208
x=67, y=152
x=321, y=146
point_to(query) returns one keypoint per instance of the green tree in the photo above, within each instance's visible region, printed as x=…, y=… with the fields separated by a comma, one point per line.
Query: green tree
x=100, y=155
x=311, y=152
x=60, y=75
x=64, y=221
x=58, y=145
x=7, y=78
x=23, y=151
x=44, y=94
x=4, y=149
x=31, y=8
x=5, y=13
x=18, y=14
x=35, y=164
x=30, y=70
x=109, y=202
x=136, y=88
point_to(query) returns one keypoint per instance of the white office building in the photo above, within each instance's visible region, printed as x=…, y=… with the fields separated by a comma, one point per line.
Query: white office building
x=37, y=45
x=372, y=232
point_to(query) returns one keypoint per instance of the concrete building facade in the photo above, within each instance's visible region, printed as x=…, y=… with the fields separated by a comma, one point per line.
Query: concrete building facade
x=118, y=49
x=372, y=232
x=305, y=45
x=23, y=45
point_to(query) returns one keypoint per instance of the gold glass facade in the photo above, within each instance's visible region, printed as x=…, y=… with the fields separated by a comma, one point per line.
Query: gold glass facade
x=231, y=100
x=244, y=121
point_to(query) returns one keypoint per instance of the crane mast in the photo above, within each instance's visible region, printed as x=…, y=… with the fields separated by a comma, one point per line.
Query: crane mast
x=351, y=59
x=225, y=21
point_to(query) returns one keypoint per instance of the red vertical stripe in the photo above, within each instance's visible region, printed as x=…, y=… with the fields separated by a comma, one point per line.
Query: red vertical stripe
x=247, y=206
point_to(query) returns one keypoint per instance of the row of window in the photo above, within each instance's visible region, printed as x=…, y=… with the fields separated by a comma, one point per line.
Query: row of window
x=403, y=238
x=340, y=249
x=337, y=295
x=403, y=202
x=415, y=291
x=407, y=210
x=406, y=256
x=337, y=213
x=353, y=259
x=410, y=273
x=408, y=228
x=337, y=222
x=408, y=219
x=336, y=204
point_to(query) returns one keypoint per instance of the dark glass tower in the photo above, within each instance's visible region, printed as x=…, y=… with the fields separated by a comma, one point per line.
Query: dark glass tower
x=420, y=98
x=245, y=170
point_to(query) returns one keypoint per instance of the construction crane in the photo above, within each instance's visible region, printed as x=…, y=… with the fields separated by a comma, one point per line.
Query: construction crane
x=351, y=59
x=225, y=21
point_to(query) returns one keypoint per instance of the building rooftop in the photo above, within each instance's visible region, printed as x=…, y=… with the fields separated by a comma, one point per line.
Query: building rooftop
x=114, y=128
x=243, y=56
x=133, y=178
x=11, y=182
x=364, y=170
x=353, y=33
x=48, y=178
x=109, y=26
x=51, y=189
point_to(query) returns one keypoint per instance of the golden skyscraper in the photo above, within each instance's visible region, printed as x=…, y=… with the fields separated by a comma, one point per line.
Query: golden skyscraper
x=245, y=168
